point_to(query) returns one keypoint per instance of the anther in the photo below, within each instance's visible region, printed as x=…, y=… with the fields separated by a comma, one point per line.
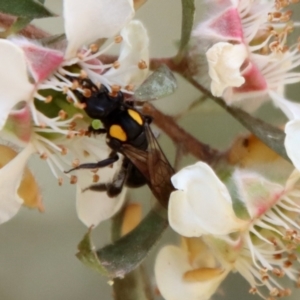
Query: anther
x=115, y=88
x=142, y=65
x=62, y=114
x=265, y=278
x=253, y=290
x=116, y=64
x=70, y=135
x=118, y=39
x=278, y=273
x=129, y=87
x=48, y=99
x=96, y=178
x=87, y=93
x=83, y=74
x=263, y=271
x=80, y=56
x=75, y=85
x=73, y=179
x=43, y=125
x=64, y=150
x=277, y=256
x=60, y=181
x=82, y=132
x=44, y=156
x=273, y=241
x=287, y=264
x=86, y=153
x=287, y=292
x=75, y=163
x=72, y=125
x=65, y=90
x=70, y=99
x=94, y=48
x=274, y=292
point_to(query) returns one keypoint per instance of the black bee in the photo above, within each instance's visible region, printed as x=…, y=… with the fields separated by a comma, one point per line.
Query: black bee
x=127, y=132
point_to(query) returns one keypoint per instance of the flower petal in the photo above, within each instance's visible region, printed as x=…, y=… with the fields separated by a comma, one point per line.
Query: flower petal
x=41, y=61
x=94, y=207
x=93, y=19
x=170, y=266
x=292, y=142
x=225, y=61
x=258, y=193
x=204, y=206
x=182, y=217
x=15, y=86
x=10, y=178
x=289, y=108
x=18, y=128
x=134, y=50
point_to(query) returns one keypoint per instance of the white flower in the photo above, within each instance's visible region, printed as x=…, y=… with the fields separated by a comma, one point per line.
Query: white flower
x=292, y=128
x=263, y=244
x=201, y=204
x=11, y=174
x=259, y=29
x=190, y=272
x=92, y=20
x=225, y=60
x=33, y=74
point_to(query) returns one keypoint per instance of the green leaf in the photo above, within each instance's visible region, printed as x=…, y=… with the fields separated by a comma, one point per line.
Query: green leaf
x=25, y=8
x=19, y=24
x=88, y=256
x=188, y=14
x=124, y=255
x=160, y=83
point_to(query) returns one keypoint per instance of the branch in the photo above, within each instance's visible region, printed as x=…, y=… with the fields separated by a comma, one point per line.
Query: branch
x=180, y=137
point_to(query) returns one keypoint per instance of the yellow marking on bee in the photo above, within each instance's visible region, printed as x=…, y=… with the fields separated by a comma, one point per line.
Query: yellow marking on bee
x=117, y=132
x=135, y=116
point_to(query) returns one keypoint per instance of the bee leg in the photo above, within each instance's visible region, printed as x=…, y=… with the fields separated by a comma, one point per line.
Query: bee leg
x=113, y=157
x=148, y=119
x=96, y=131
x=115, y=187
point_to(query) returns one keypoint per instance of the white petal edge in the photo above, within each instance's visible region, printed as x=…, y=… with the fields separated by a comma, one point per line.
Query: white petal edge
x=203, y=206
x=15, y=86
x=134, y=48
x=170, y=265
x=96, y=207
x=89, y=20
x=10, y=178
x=289, y=108
x=292, y=142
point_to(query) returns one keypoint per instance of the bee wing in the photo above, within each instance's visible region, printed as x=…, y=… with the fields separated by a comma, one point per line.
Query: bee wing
x=153, y=164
